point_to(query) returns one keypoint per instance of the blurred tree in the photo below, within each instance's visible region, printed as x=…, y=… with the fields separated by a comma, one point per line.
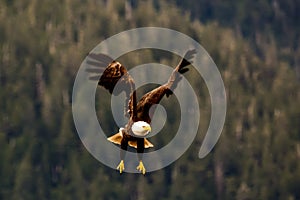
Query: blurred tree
x=255, y=46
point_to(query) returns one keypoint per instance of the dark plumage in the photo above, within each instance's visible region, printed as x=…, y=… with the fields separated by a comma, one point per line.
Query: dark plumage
x=137, y=111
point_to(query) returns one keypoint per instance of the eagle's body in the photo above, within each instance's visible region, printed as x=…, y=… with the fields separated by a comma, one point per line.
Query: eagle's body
x=139, y=121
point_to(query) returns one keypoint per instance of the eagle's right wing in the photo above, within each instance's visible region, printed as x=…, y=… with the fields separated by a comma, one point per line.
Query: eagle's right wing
x=108, y=77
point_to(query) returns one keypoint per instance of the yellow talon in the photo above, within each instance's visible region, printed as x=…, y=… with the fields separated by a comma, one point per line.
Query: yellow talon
x=141, y=167
x=121, y=166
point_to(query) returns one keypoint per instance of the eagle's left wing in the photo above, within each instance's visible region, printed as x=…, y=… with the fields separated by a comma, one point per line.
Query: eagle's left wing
x=153, y=97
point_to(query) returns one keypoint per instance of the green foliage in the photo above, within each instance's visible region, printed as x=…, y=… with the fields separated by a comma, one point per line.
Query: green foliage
x=42, y=44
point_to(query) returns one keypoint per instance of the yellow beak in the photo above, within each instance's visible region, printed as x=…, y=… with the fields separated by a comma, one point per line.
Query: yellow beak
x=148, y=128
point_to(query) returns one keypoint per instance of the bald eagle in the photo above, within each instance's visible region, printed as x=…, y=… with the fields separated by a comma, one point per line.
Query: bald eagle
x=138, y=126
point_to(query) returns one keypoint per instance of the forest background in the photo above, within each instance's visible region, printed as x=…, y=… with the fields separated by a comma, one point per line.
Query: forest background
x=255, y=45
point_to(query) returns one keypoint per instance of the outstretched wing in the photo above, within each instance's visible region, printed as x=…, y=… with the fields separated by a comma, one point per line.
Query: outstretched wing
x=153, y=97
x=97, y=64
x=110, y=75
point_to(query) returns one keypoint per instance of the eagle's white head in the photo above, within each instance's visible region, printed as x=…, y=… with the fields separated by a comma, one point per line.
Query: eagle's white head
x=140, y=128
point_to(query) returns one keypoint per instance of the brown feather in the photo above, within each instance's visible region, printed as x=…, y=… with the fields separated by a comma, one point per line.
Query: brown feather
x=153, y=97
x=115, y=72
x=112, y=74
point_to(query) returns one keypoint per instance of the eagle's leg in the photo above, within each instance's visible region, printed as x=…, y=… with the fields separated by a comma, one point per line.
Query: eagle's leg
x=140, y=151
x=124, y=145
